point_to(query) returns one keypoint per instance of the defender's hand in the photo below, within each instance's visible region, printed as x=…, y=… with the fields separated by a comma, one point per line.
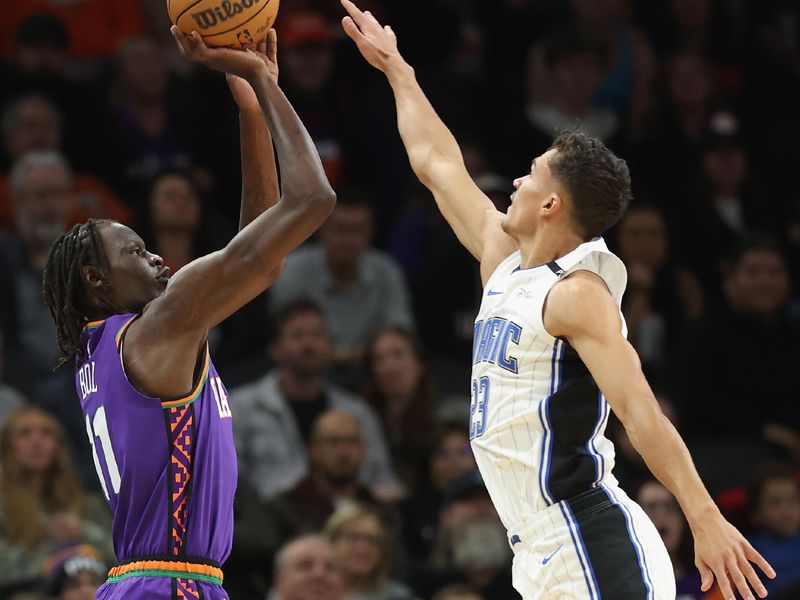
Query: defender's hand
x=243, y=93
x=378, y=44
x=721, y=552
x=242, y=63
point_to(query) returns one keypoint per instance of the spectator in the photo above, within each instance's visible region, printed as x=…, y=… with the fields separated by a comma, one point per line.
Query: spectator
x=34, y=124
x=663, y=510
x=78, y=575
x=43, y=507
x=775, y=502
x=305, y=570
x=471, y=545
x=747, y=350
x=10, y=398
x=662, y=295
x=360, y=543
x=400, y=389
x=449, y=457
x=335, y=456
x=457, y=592
x=359, y=288
x=275, y=414
x=574, y=63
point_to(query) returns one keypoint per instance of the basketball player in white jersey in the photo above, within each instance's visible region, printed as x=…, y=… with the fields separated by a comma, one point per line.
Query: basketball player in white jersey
x=551, y=357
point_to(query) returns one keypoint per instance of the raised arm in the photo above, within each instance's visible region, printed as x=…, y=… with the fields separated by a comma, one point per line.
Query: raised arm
x=166, y=340
x=581, y=310
x=259, y=170
x=432, y=150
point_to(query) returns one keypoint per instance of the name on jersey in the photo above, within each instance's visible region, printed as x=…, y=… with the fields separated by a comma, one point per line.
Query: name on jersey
x=491, y=342
x=86, y=379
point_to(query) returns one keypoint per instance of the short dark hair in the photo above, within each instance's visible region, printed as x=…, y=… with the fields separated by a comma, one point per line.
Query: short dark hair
x=298, y=306
x=571, y=41
x=753, y=242
x=598, y=182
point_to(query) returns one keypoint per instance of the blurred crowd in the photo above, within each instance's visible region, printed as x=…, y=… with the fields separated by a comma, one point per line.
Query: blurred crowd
x=348, y=378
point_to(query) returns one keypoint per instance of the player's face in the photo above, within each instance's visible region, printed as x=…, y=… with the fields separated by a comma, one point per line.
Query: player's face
x=308, y=572
x=532, y=193
x=137, y=276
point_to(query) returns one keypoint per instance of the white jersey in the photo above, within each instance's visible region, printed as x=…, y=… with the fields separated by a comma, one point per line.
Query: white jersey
x=537, y=417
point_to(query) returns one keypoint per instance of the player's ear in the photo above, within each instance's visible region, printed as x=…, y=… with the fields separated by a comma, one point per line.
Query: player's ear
x=94, y=277
x=551, y=203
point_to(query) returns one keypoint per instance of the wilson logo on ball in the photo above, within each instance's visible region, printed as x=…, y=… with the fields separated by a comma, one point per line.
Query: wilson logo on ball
x=209, y=17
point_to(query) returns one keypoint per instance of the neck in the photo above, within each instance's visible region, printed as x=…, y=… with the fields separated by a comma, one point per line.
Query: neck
x=35, y=483
x=572, y=106
x=301, y=386
x=547, y=246
x=353, y=584
x=692, y=120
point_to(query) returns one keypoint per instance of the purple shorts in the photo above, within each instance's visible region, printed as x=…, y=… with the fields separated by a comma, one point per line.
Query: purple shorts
x=160, y=588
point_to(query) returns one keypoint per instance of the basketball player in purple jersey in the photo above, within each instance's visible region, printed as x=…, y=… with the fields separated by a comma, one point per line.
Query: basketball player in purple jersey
x=156, y=410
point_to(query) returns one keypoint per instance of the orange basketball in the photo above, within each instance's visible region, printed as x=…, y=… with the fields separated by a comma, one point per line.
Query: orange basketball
x=229, y=23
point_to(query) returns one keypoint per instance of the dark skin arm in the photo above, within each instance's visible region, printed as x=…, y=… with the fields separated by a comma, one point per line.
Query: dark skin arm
x=163, y=345
x=259, y=172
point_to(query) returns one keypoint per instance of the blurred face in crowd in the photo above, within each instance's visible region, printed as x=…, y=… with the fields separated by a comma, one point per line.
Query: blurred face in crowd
x=532, y=191
x=347, y=234
x=725, y=168
x=303, y=345
x=642, y=238
x=451, y=457
x=395, y=366
x=42, y=203
x=336, y=449
x=478, y=538
x=577, y=76
x=34, y=125
x=688, y=82
x=143, y=71
x=308, y=67
x=82, y=586
x=759, y=284
x=359, y=547
x=306, y=571
x=601, y=12
x=174, y=204
x=663, y=510
x=778, y=510
x=34, y=441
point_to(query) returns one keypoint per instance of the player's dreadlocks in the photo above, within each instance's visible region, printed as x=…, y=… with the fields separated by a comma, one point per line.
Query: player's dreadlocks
x=65, y=292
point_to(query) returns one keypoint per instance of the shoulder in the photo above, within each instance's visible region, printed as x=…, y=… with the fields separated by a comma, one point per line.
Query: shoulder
x=261, y=391
x=351, y=403
x=579, y=302
x=380, y=262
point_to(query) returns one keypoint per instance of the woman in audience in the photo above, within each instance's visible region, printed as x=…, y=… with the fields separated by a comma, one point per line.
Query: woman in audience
x=662, y=508
x=399, y=386
x=42, y=506
x=360, y=543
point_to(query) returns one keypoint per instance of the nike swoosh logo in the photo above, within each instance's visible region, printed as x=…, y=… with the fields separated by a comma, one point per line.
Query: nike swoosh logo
x=494, y=293
x=548, y=558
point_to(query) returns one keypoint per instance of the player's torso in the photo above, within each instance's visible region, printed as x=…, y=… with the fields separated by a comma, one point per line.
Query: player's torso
x=168, y=469
x=537, y=417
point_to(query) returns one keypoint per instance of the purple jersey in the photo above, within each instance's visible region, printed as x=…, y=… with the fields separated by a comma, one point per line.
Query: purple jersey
x=167, y=467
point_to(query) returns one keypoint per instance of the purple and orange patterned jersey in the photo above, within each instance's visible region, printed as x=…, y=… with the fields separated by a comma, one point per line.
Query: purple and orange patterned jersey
x=167, y=467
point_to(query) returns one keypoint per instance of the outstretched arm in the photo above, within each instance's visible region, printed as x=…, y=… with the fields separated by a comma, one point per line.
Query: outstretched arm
x=166, y=340
x=581, y=310
x=259, y=170
x=432, y=150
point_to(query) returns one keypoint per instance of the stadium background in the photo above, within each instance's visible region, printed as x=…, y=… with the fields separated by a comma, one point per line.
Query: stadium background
x=700, y=96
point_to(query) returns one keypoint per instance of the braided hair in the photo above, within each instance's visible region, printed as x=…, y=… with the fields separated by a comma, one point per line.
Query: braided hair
x=65, y=291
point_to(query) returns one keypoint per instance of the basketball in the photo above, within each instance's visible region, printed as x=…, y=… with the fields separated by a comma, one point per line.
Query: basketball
x=225, y=23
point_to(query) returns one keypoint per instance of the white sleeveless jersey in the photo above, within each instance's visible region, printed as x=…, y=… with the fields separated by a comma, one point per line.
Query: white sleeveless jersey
x=537, y=417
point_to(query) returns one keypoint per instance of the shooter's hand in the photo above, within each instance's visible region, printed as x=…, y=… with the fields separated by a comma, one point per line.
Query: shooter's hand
x=242, y=91
x=378, y=44
x=242, y=63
